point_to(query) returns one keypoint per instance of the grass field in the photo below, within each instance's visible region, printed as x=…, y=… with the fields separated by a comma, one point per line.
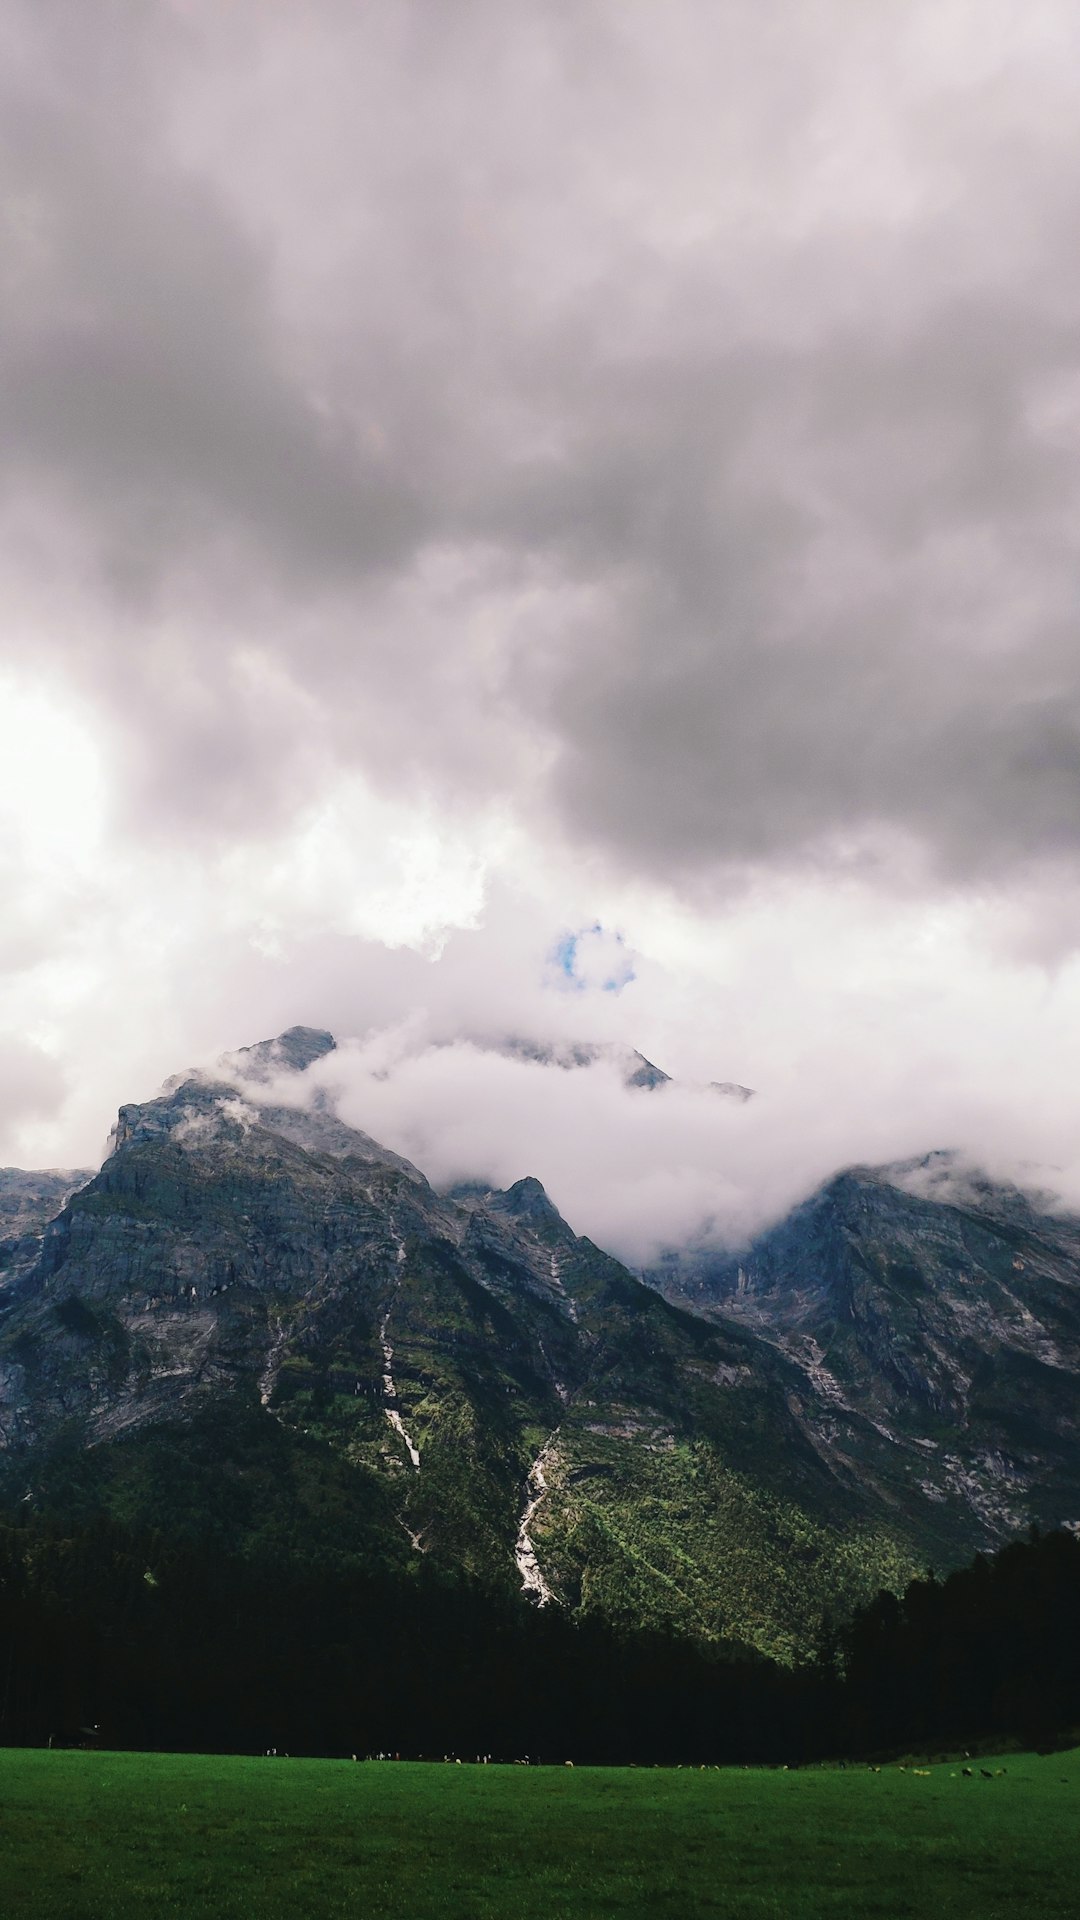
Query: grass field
x=93, y=1836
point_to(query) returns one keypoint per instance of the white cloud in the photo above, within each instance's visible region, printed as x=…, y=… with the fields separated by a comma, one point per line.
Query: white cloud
x=948, y=1046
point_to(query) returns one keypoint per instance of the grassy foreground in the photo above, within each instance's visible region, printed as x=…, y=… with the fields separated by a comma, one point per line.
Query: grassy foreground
x=95, y=1836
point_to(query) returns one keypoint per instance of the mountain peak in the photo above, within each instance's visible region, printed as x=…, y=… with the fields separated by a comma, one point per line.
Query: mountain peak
x=291, y=1052
x=527, y=1199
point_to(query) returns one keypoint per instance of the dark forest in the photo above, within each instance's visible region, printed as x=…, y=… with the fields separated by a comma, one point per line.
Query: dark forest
x=114, y=1636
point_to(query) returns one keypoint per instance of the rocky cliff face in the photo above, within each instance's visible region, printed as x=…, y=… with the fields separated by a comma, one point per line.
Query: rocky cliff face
x=28, y=1201
x=935, y=1319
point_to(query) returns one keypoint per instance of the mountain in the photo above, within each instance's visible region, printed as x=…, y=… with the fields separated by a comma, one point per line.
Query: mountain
x=935, y=1318
x=257, y=1320
x=259, y=1326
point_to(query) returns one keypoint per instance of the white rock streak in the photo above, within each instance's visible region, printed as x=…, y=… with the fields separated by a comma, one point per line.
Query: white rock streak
x=389, y=1389
x=268, y=1377
x=556, y=1281
x=812, y=1360
x=536, y=1489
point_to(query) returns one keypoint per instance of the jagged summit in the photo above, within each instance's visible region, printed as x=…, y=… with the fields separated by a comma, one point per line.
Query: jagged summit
x=292, y=1051
x=527, y=1199
x=195, y=1108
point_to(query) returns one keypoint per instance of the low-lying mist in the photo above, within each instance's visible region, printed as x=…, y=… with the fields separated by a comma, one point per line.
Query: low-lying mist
x=639, y=1170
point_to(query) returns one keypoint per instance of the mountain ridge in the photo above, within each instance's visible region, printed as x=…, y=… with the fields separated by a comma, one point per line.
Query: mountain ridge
x=462, y=1376
x=941, y=1305
x=445, y=1353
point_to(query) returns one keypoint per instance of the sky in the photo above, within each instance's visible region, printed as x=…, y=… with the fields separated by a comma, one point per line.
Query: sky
x=483, y=484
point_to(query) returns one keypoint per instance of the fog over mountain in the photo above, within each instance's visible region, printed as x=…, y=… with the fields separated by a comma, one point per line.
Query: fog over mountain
x=638, y=1163
x=559, y=523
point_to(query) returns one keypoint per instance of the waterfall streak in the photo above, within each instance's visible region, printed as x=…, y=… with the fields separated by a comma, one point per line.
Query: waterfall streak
x=393, y=1412
x=536, y=1489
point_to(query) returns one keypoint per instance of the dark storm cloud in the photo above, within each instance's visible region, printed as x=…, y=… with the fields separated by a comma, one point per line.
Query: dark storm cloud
x=873, y=628
x=141, y=371
x=682, y=411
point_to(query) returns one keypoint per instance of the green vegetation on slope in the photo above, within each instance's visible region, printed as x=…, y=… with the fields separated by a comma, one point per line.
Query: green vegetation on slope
x=229, y=1480
x=107, y=1836
x=667, y=1532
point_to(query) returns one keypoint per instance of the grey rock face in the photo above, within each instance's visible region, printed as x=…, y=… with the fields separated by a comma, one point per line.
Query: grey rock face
x=291, y=1052
x=28, y=1201
x=212, y=1220
x=936, y=1319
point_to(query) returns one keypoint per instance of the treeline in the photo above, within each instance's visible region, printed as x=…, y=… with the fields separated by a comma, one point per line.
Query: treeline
x=991, y=1652
x=179, y=1646
x=185, y=1648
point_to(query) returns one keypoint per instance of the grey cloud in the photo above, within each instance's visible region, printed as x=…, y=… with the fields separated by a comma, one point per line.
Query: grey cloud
x=145, y=376
x=750, y=466
x=32, y=1085
x=869, y=628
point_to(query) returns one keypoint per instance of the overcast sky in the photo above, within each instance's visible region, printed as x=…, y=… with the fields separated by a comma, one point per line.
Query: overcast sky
x=471, y=474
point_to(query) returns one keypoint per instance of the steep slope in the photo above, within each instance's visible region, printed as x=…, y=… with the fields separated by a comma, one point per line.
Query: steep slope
x=251, y=1296
x=28, y=1201
x=935, y=1319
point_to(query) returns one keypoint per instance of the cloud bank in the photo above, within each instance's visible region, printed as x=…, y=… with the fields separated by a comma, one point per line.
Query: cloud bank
x=640, y=1170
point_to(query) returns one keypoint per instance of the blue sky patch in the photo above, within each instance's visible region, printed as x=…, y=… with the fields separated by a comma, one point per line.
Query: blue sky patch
x=593, y=959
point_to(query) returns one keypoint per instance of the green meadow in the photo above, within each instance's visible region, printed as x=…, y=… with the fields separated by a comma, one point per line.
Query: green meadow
x=93, y=1836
